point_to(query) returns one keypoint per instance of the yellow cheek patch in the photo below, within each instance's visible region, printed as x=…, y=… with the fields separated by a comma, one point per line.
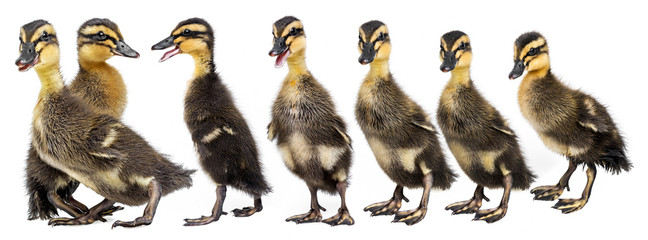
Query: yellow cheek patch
x=193, y=27
x=295, y=24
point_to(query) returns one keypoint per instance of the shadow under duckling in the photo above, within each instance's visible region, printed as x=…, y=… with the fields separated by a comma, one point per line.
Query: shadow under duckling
x=102, y=88
x=568, y=121
x=310, y=135
x=399, y=132
x=222, y=138
x=485, y=147
x=94, y=149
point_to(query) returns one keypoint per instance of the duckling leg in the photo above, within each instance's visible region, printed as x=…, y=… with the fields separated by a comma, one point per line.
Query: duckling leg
x=343, y=216
x=471, y=205
x=416, y=215
x=69, y=208
x=390, y=206
x=95, y=213
x=496, y=214
x=314, y=215
x=217, y=211
x=155, y=193
x=248, y=211
x=550, y=193
x=572, y=205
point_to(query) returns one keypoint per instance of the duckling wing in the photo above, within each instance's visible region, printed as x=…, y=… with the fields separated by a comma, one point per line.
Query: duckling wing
x=102, y=137
x=500, y=124
x=592, y=115
x=421, y=120
x=271, y=132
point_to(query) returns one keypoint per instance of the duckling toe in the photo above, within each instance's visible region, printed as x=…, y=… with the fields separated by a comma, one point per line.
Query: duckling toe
x=547, y=193
x=245, y=212
x=491, y=215
x=204, y=220
x=464, y=207
x=570, y=205
x=343, y=217
x=311, y=216
x=137, y=222
x=410, y=217
x=388, y=207
x=83, y=220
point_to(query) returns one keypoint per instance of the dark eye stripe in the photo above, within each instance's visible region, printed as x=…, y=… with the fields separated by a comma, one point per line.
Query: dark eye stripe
x=108, y=37
x=193, y=34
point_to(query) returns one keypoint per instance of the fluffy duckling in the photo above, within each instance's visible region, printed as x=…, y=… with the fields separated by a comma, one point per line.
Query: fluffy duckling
x=480, y=139
x=310, y=135
x=399, y=132
x=225, y=146
x=102, y=88
x=95, y=149
x=568, y=121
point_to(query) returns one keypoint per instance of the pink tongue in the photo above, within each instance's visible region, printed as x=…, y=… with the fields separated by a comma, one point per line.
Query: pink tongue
x=170, y=54
x=281, y=59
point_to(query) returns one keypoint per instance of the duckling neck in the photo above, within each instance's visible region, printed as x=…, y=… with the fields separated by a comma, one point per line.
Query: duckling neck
x=51, y=80
x=537, y=74
x=460, y=76
x=204, y=64
x=297, y=64
x=379, y=69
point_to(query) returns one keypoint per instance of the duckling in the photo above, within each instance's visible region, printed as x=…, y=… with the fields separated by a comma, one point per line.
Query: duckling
x=399, y=132
x=568, y=121
x=95, y=149
x=102, y=88
x=480, y=139
x=223, y=140
x=310, y=135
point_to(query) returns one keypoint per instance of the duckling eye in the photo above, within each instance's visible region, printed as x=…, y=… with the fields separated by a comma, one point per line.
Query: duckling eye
x=101, y=36
x=360, y=38
x=441, y=46
x=44, y=37
x=462, y=46
x=293, y=31
x=381, y=37
x=186, y=33
x=533, y=52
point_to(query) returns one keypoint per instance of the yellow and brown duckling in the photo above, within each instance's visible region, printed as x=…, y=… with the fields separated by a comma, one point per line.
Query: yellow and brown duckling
x=399, y=132
x=568, y=121
x=485, y=147
x=102, y=88
x=222, y=138
x=95, y=149
x=310, y=135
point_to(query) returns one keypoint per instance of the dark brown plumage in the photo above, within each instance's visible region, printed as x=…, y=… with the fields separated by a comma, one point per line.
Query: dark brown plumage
x=94, y=149
x=568, y=121
x=222, y=138
x=101, y=87
x=400, y=133
x=310, y=134
x=480, y=139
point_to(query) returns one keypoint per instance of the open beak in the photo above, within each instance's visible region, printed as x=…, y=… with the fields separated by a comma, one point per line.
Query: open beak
x=124, y=50
x=368, y=53
x=280, y=49
x=449, y=62
x=518, y=70
x=28, y=57
x=164, y=44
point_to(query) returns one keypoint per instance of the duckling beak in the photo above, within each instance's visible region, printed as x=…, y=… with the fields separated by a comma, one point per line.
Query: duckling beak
x=124, y=50
x=368, y=54
x=167, y=43
x=449, y=62
x=518, y=70
x=28, y=57
x=280, y=49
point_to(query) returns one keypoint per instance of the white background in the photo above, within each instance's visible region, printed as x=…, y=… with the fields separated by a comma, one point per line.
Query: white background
x=599, y=48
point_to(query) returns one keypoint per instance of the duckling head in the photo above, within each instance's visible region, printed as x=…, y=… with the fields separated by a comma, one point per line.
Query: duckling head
x=100, y=39
x=531, y=54
x=455, y=51
x=289, y=39
x=38, y=46
x=193, y=36
x=374, y=42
